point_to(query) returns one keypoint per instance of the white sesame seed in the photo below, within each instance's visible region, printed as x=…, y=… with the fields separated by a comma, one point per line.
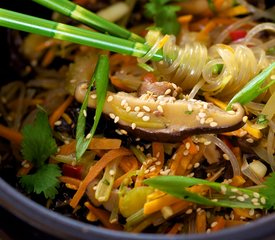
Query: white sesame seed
x=116, y=119
x=145, y=118
x=209, y=120
x=93, y=96
x=89, y=135
x=208, y=230
x=110, y=98
x=174, y=86
x=140, y=114
x=133, y=125
x=26, y=165
x=198, y=209
x=146, y=108
x=208, y=175
x=85, y=113
x=189, y=107
x=146, y=171
x=123, y=102
x=213, y=124
x=263, y=201
x=187, y=145
x=167, y=92
x=185, y=152
x=189, y=211
x=207, y=143
x=191, y=174
x=258, y=215
x=214, y=200
x=112, y=172
x=232, y=197
x=250, y=140
x=245, y=196
x=256, y=195
x=241, y=198
x=123, y=131
x=94, y=187
x=58, y=123
x=196, y=165
x=84, y=86
x=245, y=118
x=256, y=203
x=73, y=80
x=225, y=156
x=137, y=109
x=231, y=112
x=272, y=77
x=128, y=109
x=223, y=189
x=202, y=114
x=158, y=163
x=214, y=224
x=189, y=166
x=254, y=200
x=118, y=132
x=234, y=190
x=160, y=109
x=112, y=116
x=202, y=121
x=251, y=212
x=152, y=168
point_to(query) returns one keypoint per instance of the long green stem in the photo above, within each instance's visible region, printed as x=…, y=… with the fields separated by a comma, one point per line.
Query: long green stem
x=89, y=18
x=65, y=32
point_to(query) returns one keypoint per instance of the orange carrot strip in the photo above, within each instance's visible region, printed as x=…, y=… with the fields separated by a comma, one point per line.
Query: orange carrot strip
x=185, y=19
x=25, y=169
x=120, y=85
x=237, y=181
x=180, y=206
x=60, y=110
x=242, y=212
x=103, y=217
x=96, y=169
x=175, y=161
x=48, y=58
x=10, y=134
x=73, y=181
x=192, y=149
x=158, y=153
x=159, y=203
x=233, y=223
x=201, y=221
x=219, y=224
x=176, y=228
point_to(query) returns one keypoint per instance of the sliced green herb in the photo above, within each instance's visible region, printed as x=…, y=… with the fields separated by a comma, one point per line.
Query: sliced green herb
x=261, y=119
x=188, y=112
x=253, y=88
x=37, y=146
x=227, y=196
x=100, y=78
x=217, y=69
x=164, y=15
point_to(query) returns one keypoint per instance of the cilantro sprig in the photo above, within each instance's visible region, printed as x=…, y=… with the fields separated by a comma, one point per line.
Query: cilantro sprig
x=37, y=146
x=100, y=78
x=164, y=15
x=227, y=196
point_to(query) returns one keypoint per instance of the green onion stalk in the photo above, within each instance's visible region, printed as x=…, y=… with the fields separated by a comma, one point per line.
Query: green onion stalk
x=89, y=18
x=77, y=35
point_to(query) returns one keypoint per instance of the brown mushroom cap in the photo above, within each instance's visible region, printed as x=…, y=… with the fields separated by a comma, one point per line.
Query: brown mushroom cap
x=163, y=118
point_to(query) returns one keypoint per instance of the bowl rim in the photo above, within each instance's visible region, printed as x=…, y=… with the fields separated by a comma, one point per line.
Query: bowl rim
x=64, y=227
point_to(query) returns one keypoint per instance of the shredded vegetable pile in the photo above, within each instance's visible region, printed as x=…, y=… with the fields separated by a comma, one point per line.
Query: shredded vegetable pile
x=178, y=146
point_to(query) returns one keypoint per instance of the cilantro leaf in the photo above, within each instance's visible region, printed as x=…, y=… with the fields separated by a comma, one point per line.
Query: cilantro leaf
x=38, y=143
x=269, y=191
x=43, y=181
x=164, y=15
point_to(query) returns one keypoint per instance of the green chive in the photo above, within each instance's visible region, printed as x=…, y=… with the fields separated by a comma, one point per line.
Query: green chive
x=89, y=18
x=100, y=77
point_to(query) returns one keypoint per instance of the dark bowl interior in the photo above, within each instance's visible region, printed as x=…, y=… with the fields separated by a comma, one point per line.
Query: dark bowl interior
x=61, y=227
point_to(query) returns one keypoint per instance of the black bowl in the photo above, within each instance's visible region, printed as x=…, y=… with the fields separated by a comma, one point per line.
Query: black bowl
x=57, y=226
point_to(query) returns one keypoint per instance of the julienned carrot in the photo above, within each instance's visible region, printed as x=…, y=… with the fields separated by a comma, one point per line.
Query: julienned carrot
x=242, y=212
x=96, y=169
x=103, y=217
x=128, y=164
x=73, y=181
x=96, y=143
x=119, y=84
x=10, y=134
x=176, y=228
x=159, y=203
x=185, y=19
x=175, y=161
x=201, y=222
x=60, y=110
x=237, y=181
x=192, y=146
x=219, y=224
x=49, y=57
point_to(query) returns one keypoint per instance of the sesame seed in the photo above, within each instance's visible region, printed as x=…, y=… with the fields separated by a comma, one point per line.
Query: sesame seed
x=232, y=197
x=73, y=80
x=208, y=230
x=225, y=156
x=67, y=142
x=128, y=109
x=254, y=200
x=112, y=116
x=118, y=132
x=158, y=154
x=84, y=86
x=189, y=166
x=140, y=114
x=174, y=86
x=256, y=203
x=93, y=96
x=241, y=198
x=189, y=211
x=58, y=123
x=202, y=120
x=110, y=98
x=26, y=165
x=137, y=109
x=89, y=135
x=245, y=118
x=187, y=145
x=112, y=172
x=245, y=196
x=214, y=224
x=196, y=165
x=214, y=200
x=152, y=169
x=256, y=195
x=207, y=143
x=189, y=107
x=263, y=201
x=94, y=187
x=158, y=163
x=202, y=115
x=191, y=174
x=185, y=152
x=160, y=109
x=146, y=108
x=209, y=120
x=145, y=118
x=123, y=102
x=116, y=119
x=213, y=124
x=133, y=125
x=123, y=131
x=223, y=189
x=167, y=92
x=85, y=113
x=251, y=212
x=231, y=112
x=198, y=210
x=208, y=175
x=234, y=190
x=250, y=140
x=146, y=171
x=258, y=215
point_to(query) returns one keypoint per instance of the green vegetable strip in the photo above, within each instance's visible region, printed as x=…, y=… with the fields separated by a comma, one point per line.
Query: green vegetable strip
x=100, y=77
x=228, y=196
x=83, y=15
x=65, y=32
x=253, y=88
